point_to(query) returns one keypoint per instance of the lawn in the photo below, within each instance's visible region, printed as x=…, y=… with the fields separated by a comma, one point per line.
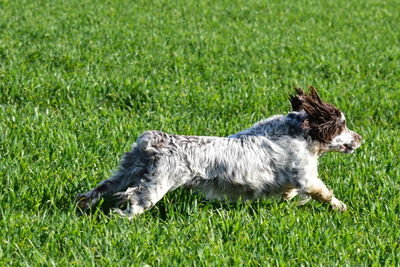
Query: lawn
x=81, y=79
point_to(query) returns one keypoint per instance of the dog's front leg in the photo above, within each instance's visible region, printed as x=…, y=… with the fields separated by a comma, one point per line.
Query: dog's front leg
x=318, y=191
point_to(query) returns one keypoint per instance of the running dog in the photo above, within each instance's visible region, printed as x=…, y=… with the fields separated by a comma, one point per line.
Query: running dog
x=278, y=155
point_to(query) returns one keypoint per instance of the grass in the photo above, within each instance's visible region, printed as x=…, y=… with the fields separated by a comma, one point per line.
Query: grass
x=80, y=80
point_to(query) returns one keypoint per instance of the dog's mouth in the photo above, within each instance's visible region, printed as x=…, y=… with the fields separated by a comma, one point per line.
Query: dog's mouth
x=347, y=148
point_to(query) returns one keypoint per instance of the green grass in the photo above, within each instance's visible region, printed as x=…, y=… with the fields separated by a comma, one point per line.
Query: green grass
x=81, y=79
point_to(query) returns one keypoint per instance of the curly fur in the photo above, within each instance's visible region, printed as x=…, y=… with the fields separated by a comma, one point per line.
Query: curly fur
x=278, y=155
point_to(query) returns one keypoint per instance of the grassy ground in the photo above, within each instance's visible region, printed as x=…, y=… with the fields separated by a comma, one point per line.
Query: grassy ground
x=80, y=80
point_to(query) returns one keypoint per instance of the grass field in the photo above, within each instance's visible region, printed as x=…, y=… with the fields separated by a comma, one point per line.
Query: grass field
x=81, y=79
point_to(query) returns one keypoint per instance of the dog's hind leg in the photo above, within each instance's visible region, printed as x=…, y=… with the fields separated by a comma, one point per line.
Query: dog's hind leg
x=106, y=188
x=129, y=173
x=159, y=180
x=143, y=196
x=289, y=194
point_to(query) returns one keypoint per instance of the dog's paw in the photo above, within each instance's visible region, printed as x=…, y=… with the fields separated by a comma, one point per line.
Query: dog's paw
x=336, y=204
x=123, y=213
x=130, y=212
x=304, y=199
x=82, y=201
x=288, y=195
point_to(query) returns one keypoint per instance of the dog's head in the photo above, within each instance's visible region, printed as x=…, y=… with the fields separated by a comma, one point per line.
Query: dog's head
x=324, y=123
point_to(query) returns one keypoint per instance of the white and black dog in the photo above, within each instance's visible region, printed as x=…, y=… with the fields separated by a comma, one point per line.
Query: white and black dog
x=278, y=155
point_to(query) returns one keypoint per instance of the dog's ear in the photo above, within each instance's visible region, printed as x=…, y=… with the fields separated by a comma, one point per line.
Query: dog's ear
x=314, y=95
x=318, y=110
x=297, y=100
x=322, y=132
x=323, y=121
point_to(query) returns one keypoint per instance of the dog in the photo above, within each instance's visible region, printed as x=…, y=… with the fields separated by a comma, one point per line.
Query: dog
x=276, y=156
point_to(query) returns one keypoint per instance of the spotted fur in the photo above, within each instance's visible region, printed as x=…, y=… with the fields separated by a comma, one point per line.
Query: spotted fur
x=278, y=155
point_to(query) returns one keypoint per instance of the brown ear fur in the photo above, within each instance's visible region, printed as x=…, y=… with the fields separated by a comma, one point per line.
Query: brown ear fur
x=324, y=120
x=296, y=100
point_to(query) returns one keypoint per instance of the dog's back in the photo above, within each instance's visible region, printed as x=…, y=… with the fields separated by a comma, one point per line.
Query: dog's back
x=260, y=161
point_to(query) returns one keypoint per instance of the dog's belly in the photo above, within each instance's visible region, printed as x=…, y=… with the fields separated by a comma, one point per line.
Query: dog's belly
x=223, y=188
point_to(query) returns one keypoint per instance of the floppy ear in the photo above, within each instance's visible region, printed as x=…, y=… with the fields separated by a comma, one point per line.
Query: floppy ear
x=322, y=132
x=314, y=94
x=323, y=121
x=318, y=110
x=297, y=100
